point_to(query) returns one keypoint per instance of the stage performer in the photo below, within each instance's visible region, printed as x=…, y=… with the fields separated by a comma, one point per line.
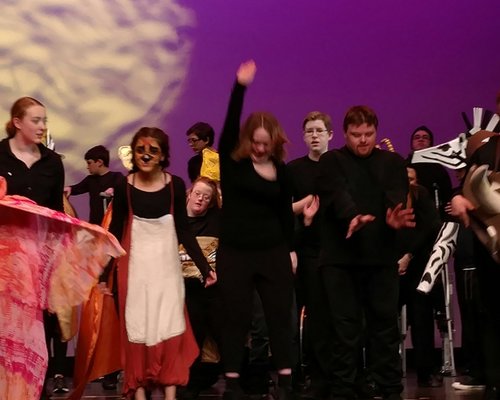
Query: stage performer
x=36, y=172
x=256, y=236
x=203, y=304
x=48, y=261
x=488, y=269
x=362, y=191
x=149, y=215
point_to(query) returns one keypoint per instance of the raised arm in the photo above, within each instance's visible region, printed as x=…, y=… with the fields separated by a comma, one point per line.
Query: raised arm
x=230, y=131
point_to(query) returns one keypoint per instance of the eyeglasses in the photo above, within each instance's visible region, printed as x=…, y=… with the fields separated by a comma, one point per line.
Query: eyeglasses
x=192, y=140
x=204, y=197
x=310, y=132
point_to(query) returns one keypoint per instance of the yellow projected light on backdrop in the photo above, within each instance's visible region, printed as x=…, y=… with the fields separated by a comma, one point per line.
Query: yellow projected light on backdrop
x=102, y=68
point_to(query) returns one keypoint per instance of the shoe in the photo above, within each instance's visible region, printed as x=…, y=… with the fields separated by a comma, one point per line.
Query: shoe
x=109, y=384
x=432, y=381
x=60, y=385
x=468, y=383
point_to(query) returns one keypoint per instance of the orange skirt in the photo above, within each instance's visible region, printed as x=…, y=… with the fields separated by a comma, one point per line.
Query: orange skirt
x=164, y=364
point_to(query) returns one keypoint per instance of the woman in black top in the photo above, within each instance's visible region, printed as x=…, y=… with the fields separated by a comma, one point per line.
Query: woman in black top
x=149, y=215
x=31, y=169
x=36, y=172
x=256, y=235
x=203, y=304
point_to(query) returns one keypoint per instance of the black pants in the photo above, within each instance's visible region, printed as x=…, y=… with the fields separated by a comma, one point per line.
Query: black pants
x=469, y=301
x=420, y=310
x=311, y=294
x=488, y=272
x=358, y=293
x=53, y=336
x=204, y=310
x=240, y=272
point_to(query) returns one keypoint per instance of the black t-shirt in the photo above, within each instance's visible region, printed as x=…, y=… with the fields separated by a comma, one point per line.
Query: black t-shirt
x=435, y=178
x=304, y=174
x=43, y=182
x=154, y=205
x=206, y=225
x=350, y=185
x=194, y=167
x=256, y=213
x=94, y=185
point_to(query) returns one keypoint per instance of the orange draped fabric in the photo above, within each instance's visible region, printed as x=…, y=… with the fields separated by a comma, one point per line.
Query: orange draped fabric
x=48, y=260
x=98, y=348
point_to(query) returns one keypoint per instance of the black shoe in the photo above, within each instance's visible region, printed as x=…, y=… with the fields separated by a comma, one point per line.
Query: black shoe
x=109, y=384
x=468, y=383
x=60, y=385
x=432, y=381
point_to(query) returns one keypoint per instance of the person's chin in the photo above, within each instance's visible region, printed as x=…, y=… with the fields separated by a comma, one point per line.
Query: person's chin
x=145, y=167
x=364, y=152
x=259, y=159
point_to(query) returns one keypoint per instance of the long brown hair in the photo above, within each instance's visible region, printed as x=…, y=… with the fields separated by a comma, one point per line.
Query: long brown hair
x=18, y=110
x=261, y=119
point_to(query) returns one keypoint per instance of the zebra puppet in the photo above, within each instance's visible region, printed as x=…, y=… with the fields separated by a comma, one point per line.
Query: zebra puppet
x=453, y=155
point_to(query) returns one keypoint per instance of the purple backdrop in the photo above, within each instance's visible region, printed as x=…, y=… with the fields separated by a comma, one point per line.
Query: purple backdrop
x=413, y=62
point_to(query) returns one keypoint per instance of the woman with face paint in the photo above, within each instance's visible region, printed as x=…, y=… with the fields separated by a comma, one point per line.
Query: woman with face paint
x=149, y=215
x=256, y=236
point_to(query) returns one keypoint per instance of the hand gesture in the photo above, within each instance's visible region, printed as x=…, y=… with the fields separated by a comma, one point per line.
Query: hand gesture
x=358, y=222
x=403, y=263
x=398, y=217
x=211, y=279
x=110, y=192
x=246, y=72
x=293, y=260
x=310, y=210
x=460, y=207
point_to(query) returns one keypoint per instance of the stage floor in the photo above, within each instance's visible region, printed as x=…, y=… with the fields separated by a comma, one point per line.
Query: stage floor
x=94, y=391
